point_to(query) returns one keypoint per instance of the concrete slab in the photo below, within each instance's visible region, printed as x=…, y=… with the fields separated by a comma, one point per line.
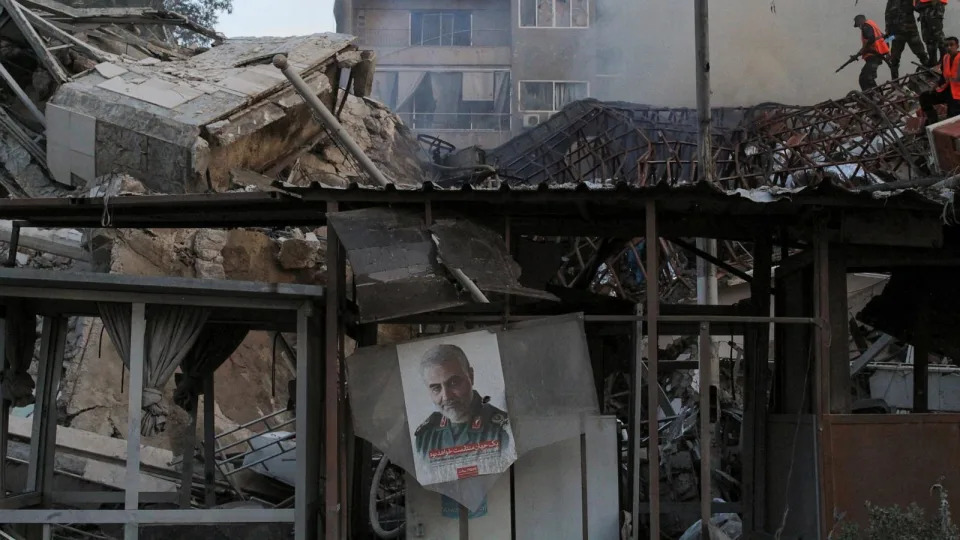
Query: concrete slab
x=109, y=70
x=83, y=133
x=58, y=161
x=164, y=98
x=103, y=456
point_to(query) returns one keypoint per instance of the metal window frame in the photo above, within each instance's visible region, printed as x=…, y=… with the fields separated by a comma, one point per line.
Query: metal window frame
x=441, y=13
x=554, y=82
x=74, y=290
x=553, y=3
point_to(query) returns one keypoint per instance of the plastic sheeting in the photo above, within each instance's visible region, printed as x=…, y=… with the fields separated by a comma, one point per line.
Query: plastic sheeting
x=549, y=388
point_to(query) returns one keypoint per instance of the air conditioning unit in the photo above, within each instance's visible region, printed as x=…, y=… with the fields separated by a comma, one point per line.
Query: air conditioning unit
x=531, y=120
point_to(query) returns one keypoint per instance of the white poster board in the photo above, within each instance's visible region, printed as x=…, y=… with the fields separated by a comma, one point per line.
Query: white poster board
x=456, y=405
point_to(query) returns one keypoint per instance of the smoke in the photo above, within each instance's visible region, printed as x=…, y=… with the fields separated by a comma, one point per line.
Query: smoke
x=756, y=55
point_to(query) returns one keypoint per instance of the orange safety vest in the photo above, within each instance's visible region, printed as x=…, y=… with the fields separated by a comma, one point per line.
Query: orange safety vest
x=921, y=2
x=951, y=70
x=879, y=45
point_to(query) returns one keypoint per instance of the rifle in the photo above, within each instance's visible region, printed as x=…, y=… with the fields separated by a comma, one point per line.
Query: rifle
x=852, y=59
x=885, y=58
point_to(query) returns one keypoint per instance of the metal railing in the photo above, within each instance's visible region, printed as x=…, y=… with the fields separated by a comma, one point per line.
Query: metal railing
x=456, y=121
x=402, y=37
x=228, y=466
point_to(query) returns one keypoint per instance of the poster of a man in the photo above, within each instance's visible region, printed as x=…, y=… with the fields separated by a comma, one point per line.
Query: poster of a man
x=457, y=432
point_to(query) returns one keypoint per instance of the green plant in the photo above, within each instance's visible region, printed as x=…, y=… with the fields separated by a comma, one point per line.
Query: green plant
x=897, y=523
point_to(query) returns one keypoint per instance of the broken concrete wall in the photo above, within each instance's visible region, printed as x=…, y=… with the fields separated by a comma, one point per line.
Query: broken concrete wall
x=379, y=133
x=180, y=126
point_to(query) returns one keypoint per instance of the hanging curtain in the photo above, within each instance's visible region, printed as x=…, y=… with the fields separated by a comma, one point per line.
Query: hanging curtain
x=116, y=319
x=479, y=85
x=215, y=344
x=174, y=331
x=447, y=94
x=18, y=385
x=407, y=84
x=171, y=332
x=567, y=93
x=385, y=88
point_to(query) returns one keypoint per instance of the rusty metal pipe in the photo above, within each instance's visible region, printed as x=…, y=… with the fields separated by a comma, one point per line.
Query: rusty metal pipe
x=328, y=120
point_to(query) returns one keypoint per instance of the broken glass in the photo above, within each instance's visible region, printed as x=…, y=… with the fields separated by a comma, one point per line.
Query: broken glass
x=449, y=28
x=430, y=32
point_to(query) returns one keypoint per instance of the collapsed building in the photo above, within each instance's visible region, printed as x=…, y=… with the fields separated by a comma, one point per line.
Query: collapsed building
x=196, y=163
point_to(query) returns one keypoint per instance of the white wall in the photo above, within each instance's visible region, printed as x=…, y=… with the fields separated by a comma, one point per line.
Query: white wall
x=757, y=56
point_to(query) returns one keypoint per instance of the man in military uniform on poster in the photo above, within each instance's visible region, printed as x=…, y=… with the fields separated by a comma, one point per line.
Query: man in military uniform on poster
x=901, y=25
x=462, y=416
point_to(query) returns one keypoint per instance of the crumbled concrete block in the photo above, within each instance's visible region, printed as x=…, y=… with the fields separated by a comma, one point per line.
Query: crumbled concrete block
x=297, y=254
x=209, y=270
x=209, y=240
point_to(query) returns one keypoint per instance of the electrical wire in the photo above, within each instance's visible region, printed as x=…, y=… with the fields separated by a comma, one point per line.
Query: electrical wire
x=374, y=515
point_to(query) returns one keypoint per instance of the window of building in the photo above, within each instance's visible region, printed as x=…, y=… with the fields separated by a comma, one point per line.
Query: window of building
x=554, y=13
x=447, y=100
x=441, y=28
x=550, y=96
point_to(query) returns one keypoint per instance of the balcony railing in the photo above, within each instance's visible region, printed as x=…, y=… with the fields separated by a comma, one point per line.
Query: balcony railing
x=400, y=37
x=456, y=121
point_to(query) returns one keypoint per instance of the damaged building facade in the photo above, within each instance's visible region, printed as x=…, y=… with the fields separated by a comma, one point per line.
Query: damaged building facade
x=238, y=256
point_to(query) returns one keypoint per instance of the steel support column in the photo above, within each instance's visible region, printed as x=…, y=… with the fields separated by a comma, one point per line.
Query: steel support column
x=921, y=359
x=209, y=442
x=43, y=438
x=44, y=433
x=189, y=449
x=309, y=423
x=708, y=411
x=138, y=328
x=653, y=368
x=636, y=419
x=756, y=382
x=821, y=370
x=4, y=403
x=333, y=449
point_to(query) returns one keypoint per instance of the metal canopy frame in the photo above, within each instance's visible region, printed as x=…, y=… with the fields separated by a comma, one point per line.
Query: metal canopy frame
x=581, y=211
x=650, y=211
x=256, y=305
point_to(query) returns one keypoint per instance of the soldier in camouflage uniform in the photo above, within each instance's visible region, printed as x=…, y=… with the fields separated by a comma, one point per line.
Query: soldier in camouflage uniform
x=463, y=416
x=931, y=24
x=900, y=24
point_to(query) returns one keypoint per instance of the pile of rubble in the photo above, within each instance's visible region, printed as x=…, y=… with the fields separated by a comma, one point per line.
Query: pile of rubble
x=106, y=102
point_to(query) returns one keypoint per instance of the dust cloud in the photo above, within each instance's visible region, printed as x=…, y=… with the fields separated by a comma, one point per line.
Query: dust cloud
x=756, y=55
